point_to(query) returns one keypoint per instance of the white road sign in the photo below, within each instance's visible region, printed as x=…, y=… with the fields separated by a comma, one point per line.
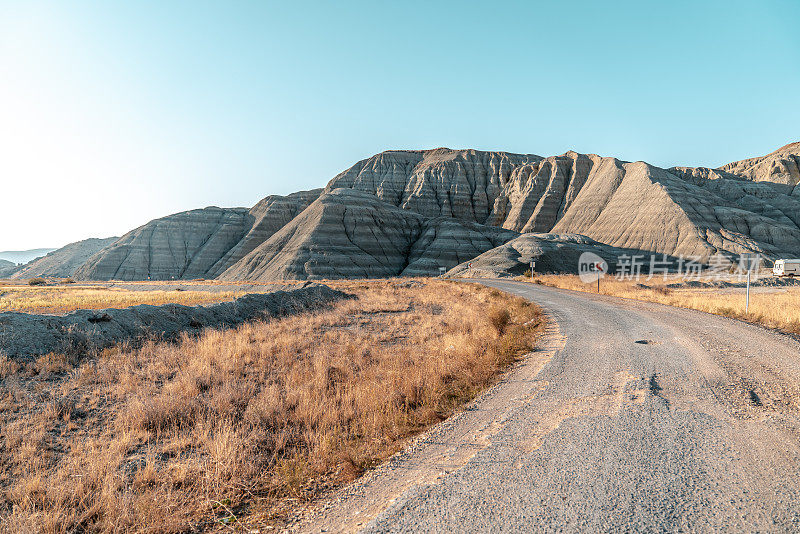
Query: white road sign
x=591, y=267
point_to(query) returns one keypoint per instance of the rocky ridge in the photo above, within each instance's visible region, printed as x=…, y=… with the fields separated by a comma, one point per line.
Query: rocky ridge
x=781, y=166
x=432, y=208
x=680, y=211
x=351, y=234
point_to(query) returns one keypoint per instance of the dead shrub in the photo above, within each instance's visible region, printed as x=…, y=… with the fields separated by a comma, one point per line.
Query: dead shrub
x=499, y=319
x=52, y=363
x=726, y=311
x=8, y=366
x=158, y=414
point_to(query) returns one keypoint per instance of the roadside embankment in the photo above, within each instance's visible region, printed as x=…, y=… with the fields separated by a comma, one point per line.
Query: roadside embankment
x=25, y=335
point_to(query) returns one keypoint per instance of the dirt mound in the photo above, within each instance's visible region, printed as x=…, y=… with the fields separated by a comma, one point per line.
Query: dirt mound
x=553, y=253
x=23, y=335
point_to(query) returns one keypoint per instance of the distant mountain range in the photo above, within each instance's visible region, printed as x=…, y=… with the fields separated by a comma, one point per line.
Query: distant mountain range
x=60, y=263
x=413, y=212
x=63, y=262
x=23, y=256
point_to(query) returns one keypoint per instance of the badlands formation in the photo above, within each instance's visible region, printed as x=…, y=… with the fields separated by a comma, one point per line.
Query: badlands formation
x=413, y=212
x=628, y=205
x=781, y=166
x=352, y=234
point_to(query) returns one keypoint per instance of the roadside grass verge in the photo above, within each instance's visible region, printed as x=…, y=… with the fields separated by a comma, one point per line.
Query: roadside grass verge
x=231, y=429
x=779, y=310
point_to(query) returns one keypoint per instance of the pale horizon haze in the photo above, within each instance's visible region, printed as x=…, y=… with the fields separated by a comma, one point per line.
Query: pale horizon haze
x=117, y=113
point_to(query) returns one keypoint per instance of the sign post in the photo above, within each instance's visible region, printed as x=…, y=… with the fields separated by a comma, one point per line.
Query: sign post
x=747, y=298
x=749, y=262
x=533, y=266
x=591, y=268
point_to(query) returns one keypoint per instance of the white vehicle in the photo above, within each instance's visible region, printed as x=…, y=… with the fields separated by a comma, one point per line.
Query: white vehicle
x=786, y=268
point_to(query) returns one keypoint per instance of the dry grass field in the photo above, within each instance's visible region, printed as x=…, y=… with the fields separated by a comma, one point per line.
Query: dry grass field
x=66, y=297
x=231, y=429
x=777, y=308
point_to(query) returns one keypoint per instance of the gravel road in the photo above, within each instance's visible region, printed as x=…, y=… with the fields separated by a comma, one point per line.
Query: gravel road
x=631, y=417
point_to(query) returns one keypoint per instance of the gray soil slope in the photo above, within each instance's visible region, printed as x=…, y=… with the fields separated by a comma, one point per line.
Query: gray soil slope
x=342, y=234
x=23, y=334
x=193, y=244
x=7, y=268
x=269, y=215
x=351, y=234
x=446, y=242
x=63, y=262
x=632, y=417
x=627, y=205
x=183, y=245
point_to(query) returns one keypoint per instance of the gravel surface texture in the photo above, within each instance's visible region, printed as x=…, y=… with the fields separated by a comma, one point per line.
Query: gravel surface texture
x=631, y=417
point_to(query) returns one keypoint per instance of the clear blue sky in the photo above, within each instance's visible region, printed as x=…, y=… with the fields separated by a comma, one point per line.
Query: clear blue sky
x=115, y=113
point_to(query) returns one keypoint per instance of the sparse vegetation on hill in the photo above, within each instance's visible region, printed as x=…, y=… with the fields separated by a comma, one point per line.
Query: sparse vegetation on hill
x=232, y=429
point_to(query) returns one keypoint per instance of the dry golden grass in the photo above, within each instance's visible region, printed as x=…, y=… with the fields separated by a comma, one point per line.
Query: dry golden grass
x=778, y=309
x=62, y=299
x=229, y=429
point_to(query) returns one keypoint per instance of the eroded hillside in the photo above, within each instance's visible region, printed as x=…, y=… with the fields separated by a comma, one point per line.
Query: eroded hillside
x=414, y=212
